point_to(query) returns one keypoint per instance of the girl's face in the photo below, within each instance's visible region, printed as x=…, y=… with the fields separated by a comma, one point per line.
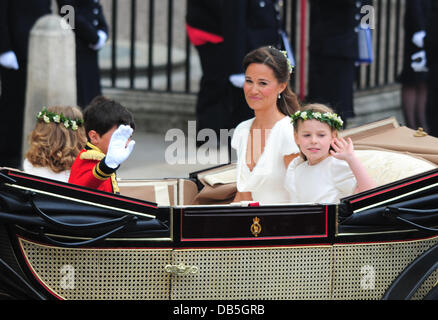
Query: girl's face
x=261, y=88
x=314, y=139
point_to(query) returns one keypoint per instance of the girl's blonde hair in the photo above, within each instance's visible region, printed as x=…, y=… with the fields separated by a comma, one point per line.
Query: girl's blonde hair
x=53, y=145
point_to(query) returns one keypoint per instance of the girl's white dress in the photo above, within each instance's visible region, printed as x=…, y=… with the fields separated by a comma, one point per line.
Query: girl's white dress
x=266, y=180
x=45, y=172
x=326, y=182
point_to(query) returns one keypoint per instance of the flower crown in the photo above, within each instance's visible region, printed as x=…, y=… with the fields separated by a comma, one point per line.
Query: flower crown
x=289, y=64
x=48, y=117
x=332, y=119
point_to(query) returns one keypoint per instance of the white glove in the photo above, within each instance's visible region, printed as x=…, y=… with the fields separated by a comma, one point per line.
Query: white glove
x=237, y=80
x=119, y=149
x=100, y=41
x=419, y=61
x=418, y=38
x=9, y=60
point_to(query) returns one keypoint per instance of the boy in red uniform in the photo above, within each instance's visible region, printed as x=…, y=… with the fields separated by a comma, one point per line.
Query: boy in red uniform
x=109, y=128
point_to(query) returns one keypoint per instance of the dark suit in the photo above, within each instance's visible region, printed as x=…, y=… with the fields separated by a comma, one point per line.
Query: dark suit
x=250, y=24
x=17, y=18
x=333, y=52
x=89, y=19
x=431, y=46
x=245, y=25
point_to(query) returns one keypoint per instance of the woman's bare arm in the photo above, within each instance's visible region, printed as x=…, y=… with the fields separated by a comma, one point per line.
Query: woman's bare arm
x=288, y=159
x=242, y=196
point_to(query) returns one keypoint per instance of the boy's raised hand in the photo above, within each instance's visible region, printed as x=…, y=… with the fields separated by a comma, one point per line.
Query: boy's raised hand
x=119, y=149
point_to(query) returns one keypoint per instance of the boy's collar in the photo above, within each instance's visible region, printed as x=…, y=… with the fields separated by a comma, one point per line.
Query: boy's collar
x=91, y=146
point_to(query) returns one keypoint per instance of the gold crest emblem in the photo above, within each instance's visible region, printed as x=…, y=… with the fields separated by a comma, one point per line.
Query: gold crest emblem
x=256, y=228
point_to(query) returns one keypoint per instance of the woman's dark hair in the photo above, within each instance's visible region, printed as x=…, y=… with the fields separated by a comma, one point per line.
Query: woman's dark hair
x=276, y=60
x=102, y=114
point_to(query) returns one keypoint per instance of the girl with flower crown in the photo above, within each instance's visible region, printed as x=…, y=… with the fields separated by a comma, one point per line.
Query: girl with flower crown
x=328, y=168
x=263, y=144
x=55, y=142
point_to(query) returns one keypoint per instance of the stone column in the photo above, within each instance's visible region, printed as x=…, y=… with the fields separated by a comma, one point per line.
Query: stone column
x=51, y=75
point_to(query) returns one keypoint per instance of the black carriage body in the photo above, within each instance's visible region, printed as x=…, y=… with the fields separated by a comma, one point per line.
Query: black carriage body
x=63, y=241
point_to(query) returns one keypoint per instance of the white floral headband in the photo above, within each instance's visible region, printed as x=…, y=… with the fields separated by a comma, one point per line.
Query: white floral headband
x=332, y=119
x=289, y=64
x=48, y=117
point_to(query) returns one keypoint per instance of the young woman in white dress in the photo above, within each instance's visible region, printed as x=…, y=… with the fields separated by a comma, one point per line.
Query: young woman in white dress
x=265, y=144
x=55, y=142
x=328, y=168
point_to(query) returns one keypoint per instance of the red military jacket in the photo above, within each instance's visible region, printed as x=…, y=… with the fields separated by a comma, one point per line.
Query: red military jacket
x=89, y=170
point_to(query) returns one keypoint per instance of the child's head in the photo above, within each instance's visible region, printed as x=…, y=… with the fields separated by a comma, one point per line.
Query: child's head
x=102, y=117
x=315, y=127
x=57, y=138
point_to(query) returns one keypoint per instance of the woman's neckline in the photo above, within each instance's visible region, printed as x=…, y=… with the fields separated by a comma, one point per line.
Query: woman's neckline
x=278, y=117
x=264, y=148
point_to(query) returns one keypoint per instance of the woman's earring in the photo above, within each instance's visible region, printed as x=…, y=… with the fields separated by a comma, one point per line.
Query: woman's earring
x=279, y=95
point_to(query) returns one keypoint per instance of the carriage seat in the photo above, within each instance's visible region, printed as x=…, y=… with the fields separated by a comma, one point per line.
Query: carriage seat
x=164, y=192
x=386, y=167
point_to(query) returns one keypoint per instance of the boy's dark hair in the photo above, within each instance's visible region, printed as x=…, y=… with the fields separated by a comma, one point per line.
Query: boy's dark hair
x=102, y=114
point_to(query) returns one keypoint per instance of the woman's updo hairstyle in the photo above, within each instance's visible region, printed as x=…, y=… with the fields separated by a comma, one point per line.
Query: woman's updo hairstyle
x=277, y=61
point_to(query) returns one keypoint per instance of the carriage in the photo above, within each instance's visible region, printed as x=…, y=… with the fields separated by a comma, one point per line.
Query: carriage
x=180, y=239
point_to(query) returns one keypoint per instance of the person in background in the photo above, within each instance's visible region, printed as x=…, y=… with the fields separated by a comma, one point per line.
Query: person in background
x=55, y=142
x=109, y=127
x=249, y=25
x=204, y=26
x=414, y=77
x=91, y=31
x=333, y=52
x=265, y=143
x=327, y=169
x=17, y=18
x=223, y=32
x=431, y=46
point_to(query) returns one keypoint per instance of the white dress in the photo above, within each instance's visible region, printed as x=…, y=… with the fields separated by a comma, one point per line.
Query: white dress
x=325, y=182
x=266, y=180
x=45, y=172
